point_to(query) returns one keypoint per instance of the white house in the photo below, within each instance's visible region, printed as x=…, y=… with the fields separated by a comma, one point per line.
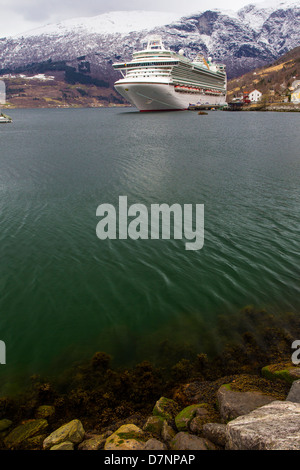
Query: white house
x=255, y=96
x=295, y=84
x=295, y=95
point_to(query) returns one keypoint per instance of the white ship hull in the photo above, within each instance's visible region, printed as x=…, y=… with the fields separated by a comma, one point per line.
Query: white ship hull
x=157, y=79
x=162, y=97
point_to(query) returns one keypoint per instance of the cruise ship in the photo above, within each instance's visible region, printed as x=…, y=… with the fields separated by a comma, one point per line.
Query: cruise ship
x=157, y=79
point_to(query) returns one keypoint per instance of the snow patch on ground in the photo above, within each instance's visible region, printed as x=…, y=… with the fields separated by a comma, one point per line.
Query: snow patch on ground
x=39, y=76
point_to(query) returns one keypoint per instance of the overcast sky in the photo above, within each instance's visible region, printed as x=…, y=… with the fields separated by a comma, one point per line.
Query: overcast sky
x=17, y=16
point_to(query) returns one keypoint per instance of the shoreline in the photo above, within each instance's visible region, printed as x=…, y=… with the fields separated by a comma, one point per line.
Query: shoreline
x=266, y=107
x=12, y=107
x=104, y=399
x=280, y=107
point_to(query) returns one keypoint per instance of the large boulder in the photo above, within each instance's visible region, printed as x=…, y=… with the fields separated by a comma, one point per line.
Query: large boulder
x=294, y=393
x=275, y=426
x=127, y=437
x=22, y=433
x=233, y=404
x=72, y=432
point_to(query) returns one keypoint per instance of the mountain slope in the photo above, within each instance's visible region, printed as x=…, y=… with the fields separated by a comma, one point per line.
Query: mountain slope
x=253, y=36
x=273, y=80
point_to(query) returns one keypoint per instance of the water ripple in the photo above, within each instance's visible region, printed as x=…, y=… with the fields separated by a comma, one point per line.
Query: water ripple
x=62, y=288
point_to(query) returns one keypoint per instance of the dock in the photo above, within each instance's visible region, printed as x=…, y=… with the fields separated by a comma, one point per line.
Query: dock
x=235, y=106
x=204, y=107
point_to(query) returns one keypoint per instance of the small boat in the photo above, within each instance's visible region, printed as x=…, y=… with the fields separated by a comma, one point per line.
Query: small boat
x=4, y=118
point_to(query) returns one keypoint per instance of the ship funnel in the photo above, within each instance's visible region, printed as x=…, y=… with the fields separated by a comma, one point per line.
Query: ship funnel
x=200, y=60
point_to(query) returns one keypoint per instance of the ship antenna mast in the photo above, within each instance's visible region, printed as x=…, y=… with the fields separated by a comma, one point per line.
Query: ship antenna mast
x=155, y=44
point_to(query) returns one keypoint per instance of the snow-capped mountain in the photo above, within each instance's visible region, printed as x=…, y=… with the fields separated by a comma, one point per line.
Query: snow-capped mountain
x=251, y=37
x=108, y=23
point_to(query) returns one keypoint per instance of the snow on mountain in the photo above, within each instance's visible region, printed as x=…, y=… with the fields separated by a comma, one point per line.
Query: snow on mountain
x=255, y=15
x=253, y=36
x=108, y=23
x=277, y=4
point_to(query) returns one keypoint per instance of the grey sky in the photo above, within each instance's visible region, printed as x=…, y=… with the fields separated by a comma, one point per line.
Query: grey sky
x=20, y=15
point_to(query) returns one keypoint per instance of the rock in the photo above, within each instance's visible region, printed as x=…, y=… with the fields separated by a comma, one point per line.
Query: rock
x=5, y=424
x=154, y=444
x=166, y=408
x=204, y=414
x=294, y=393
x=196, y=425
x=67, y=445
x=94, y=443
x=186, y=441
x=183, y=419
x=72, y=431
x=190, y=392
x=167, y=432
x=233, y=404
x=210, y=445
x=127, y=437
x=215, y=432
x=25, y=431
x=283, y=372
x=44, y=411
x=35, y=442
x=294, y=373
x=154, y=425
x=275, y=426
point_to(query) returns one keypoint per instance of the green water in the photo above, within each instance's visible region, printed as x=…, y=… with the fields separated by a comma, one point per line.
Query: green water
x=66, y=294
